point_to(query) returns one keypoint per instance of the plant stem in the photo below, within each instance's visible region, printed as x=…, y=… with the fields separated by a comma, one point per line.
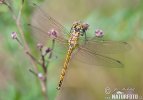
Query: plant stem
x=43, y=81
x=44, y=89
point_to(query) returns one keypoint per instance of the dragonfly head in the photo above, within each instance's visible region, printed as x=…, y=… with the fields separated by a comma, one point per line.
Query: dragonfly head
x=79, y=27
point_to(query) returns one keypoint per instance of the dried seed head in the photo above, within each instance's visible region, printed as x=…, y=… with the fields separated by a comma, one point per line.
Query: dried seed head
x=53, y=33
x=85, y=26
x=1, y=1
x=39, y=46
x=14, y=35
x=99, y=33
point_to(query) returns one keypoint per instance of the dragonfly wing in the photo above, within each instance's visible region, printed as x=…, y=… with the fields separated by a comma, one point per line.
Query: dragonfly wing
x=42, y=23
x=106, y=47
x=59, y=53
x=91, y=58
x=41, y=36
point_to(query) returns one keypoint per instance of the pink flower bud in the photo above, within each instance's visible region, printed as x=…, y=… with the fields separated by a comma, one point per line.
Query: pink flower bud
x=1, y=1
x=85, y=26
x=40, y=46
x=48, y=50
x=40, y=76
x=99, y=33
x=14, y=35
x=53, y=33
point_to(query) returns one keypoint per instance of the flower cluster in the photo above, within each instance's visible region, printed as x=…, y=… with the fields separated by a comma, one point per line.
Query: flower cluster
x=53, y=33
x=99, y=33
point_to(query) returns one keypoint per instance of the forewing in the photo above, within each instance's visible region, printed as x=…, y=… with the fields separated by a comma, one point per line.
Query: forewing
x=42, y=23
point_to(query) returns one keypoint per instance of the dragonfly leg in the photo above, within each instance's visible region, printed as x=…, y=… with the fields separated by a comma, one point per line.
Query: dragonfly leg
x=85, y=38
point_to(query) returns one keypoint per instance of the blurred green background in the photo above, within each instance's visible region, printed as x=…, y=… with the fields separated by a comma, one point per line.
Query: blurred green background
x=121, y=20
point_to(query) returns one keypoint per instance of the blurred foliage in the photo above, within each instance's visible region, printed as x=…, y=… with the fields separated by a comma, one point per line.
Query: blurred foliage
x=120, y=20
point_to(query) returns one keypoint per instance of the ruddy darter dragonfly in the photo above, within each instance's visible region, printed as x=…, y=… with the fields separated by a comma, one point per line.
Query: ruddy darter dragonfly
x=90, y=51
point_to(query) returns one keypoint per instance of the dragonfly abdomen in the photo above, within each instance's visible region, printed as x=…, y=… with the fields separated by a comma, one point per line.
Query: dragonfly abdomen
x=73, y=42
x=70, y=50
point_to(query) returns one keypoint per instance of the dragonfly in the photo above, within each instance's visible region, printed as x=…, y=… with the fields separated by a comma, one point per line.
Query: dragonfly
x=90, y=50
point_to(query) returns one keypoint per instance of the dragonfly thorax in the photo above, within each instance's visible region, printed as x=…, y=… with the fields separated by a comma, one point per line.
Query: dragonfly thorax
x=77, y=29
x=73, y=40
